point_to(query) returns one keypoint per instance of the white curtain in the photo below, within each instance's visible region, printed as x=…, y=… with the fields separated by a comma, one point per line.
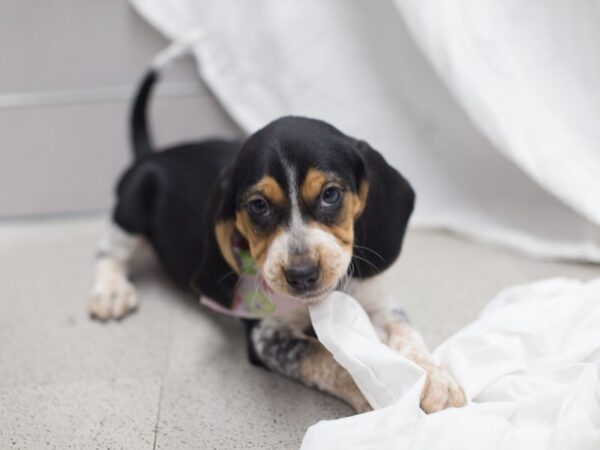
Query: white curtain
x=489, y=107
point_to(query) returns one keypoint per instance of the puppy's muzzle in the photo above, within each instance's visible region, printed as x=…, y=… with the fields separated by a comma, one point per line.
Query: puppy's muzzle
x=302, y=277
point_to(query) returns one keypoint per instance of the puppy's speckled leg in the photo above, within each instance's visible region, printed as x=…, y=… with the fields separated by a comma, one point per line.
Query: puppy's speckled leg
x=304, y=358
x=441, y=389
x=113, y=295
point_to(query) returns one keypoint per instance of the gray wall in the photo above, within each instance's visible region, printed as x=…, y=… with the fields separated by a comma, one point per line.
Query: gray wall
x=68, y=69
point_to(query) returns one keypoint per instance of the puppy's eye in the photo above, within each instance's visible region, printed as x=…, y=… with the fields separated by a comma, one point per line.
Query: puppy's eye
x=258, y=207
x=331, y=196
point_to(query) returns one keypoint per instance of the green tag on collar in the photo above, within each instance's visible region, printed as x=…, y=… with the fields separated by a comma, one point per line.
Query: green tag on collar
x=247, y=264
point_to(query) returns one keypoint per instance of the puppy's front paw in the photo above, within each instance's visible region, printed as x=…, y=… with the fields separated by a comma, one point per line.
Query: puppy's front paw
x=112, y=297
x=441, y=391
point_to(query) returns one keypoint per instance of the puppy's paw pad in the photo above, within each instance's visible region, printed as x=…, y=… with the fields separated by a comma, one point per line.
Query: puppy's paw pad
x=112, y=298
x=441, y=391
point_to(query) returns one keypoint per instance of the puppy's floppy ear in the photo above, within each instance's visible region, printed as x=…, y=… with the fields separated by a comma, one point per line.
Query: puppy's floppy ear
x=217, y=273
x=379, y=230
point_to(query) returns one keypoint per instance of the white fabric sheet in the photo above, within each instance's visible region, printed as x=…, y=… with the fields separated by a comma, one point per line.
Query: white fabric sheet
x=492, y=117
x=530, y=366
x=528, y=75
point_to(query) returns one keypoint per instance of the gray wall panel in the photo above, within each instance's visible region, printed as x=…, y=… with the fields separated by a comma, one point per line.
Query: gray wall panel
x=67, y=158
x=75, y=44
x=68, y=69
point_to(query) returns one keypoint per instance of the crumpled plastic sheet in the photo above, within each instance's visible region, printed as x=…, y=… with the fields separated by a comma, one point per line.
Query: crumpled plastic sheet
x=530, y=367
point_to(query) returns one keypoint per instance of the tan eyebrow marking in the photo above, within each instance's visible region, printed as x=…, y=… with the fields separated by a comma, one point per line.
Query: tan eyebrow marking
x=270, y=189
x=313, y=184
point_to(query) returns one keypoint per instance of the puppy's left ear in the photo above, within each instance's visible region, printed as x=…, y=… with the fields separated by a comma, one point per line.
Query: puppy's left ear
x=380, y=228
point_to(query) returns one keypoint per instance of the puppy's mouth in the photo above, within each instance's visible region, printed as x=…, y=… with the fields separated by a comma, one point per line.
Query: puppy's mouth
x=315, y=296
x=307, y=297
x=320, y=294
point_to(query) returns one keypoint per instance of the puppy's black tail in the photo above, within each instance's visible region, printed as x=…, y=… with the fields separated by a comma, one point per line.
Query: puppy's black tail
x=140, y=136
x=139, y=123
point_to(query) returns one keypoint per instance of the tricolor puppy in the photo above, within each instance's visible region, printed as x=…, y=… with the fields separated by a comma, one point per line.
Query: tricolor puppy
x=299, y=205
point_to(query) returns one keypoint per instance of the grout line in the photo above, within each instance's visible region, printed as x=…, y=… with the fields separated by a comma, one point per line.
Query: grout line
x=160, y=397
x=163, y=378
x=95, y=95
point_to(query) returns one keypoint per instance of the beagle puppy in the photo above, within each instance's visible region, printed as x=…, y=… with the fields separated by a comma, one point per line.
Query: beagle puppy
x=310, y=210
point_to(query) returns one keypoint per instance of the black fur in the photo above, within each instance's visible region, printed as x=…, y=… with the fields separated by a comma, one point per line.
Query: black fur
x=140, y=138
x=379, y=231
x=175, y=197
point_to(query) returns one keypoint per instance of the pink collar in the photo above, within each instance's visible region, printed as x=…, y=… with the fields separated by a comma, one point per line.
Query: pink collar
x=252, y=297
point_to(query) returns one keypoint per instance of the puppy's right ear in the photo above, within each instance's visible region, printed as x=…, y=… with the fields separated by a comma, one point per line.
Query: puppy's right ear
x=380, y=228
x=218, y=271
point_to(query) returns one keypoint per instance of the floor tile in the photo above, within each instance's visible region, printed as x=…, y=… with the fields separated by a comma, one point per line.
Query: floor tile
x=94, y=414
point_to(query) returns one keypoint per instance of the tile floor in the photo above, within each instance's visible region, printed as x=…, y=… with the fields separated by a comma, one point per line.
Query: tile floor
x=173, y=375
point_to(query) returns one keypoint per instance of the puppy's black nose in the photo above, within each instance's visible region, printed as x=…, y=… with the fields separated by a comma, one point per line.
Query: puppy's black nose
x=302, y=277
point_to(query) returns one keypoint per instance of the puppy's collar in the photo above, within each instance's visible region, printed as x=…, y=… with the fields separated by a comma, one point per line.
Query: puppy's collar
x=252, y=297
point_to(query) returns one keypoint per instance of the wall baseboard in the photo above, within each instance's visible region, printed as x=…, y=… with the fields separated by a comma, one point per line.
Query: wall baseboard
x=96, y=95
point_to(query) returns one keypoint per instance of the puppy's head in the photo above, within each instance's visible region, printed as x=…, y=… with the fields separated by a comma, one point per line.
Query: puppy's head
x=307, y=200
